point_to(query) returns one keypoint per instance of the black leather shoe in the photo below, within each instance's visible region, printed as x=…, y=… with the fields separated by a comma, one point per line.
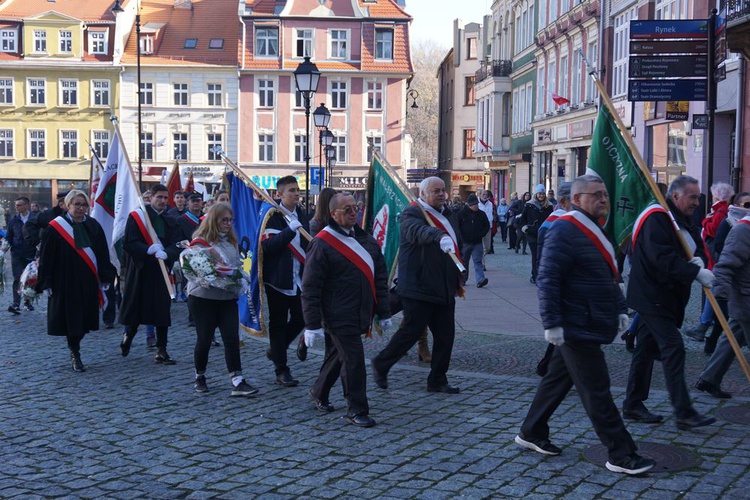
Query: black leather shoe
x=125, y=345
x=381, y=379
x=696, y=420
x=321, y=405
x=302, y=349
x=163, y=358
x=360, y=420
x=712, y=389
x=447, y=388
x=285, y=379
x=642, y=415
x=75, y=359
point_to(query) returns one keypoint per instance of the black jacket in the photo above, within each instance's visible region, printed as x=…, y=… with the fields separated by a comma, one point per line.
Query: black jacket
x=533, y=216
x=661, y=276
x=187, y=226
x=33, y=230
x=19, y=247
x=336, y=292
x=277, y=257
x=425, y=272
x=472, y=224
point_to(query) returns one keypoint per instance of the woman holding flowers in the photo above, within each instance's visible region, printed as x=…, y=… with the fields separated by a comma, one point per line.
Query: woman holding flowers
x=213, y=268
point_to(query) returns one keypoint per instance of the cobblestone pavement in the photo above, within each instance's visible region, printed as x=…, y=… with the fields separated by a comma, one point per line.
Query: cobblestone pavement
x=129, y=428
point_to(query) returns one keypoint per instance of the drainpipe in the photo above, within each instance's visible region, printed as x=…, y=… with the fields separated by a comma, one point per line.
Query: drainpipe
x=738, y=126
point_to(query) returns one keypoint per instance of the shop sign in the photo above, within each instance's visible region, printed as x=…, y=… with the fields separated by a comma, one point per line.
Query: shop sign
x=350, y=182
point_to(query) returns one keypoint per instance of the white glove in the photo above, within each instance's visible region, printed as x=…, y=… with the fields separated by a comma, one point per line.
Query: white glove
x=705, y=278
x=154, y=248
x=624, y=323
x=524, y=229
x=310, y=336
x=386, y=324
x=446, y=244
x=554, y=336
x=161, y=254
x=697, y=261
x=294, y=225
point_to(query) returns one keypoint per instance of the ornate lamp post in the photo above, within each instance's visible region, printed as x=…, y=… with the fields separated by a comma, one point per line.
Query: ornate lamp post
x=330, y=160
x=327, y=137
x=306, y=77
x=321, y=118
x=412, y=94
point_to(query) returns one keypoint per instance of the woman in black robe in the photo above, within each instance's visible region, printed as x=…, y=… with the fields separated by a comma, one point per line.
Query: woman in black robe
x=73, y=267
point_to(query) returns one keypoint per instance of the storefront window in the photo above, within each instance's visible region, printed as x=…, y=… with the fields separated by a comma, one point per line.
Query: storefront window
x=668, y=150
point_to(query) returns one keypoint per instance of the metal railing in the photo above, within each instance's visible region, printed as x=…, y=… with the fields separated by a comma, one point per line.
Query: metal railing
x=494, y=68
x=736, y=8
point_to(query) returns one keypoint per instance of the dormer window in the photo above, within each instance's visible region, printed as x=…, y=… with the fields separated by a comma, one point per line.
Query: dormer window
x=191, y=43
x=216, y=43
x=147, y=44
x=384, y=43
x=40, y=41
x=98, y=41
x=8, y=40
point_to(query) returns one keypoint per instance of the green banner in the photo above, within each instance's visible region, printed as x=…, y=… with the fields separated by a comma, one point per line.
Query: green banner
x=385, y=202
x=629, y=191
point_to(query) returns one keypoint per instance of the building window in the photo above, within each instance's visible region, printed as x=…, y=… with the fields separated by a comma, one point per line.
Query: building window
x=300, y=148
x=469, y=96
x=540, y=71
x=214, y=94
x=66, y=41
x=8, y=41
x=214, y=141
x=147, y=44
x=303, y=43
x=593, y=56
x=147, y=94
x=374, y=95
x=68, y=92
x=529, y=105
x=101, y=92
x=374, y=145
x=40, y=41
x=299, y=99
x=147, y=146
x=6, y=91
x=564, y=6
x=37, y=92
x=339, y=44
x=384, y=44
x=338, y=95
x=267, y=42
x=671, y=9
x=190, y=43
x=180, y=146
x=216, y=43
x=525, y=25
x=470, y=139
x=98, y=42
x=100, y=143
x=265, y=93
x=6, y=143
x=69, y=143
x=562, y=89
x=551, y=85
x=37, y=144
x=575, y=82
x=265, y=147
x=339, y=143
x=180, y=94
x=621, y=52
x=471, y=48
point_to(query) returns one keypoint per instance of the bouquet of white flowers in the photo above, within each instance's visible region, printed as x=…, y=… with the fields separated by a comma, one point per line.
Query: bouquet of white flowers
x=29, y=279
x=203, y=263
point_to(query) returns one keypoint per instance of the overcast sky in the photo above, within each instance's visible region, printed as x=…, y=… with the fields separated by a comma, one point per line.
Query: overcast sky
x=433, y=19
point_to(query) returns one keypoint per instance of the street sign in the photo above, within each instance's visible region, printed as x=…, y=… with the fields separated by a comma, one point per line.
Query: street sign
x=667, y=90
x=677, y=110
x=656, y=29
x=651, y=48
x=700, y=122
x=666, y=67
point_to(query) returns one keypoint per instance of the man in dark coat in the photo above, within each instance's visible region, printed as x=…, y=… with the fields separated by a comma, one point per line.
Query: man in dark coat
x=345, y=282
x=283, y=264
x=34, y=229
x=180, y=204
x=535, y=211
x=146, y=299
x=659, y=289
x=582, y=307
x=473, y=226
x=428, y=281
x=21, y=252
x=189, y=223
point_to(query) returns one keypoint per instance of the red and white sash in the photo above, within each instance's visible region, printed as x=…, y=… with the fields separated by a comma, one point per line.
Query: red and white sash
x=594, y=233
x=441, y=223
x=649, y=210
x=293, y=245
x=140, y=219
x=744, y=220
x=192, y=219
x=354, y=253
x=65, y=230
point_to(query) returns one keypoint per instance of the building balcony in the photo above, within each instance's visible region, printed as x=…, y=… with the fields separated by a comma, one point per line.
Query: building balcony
x=738, y=25
x=490, y=69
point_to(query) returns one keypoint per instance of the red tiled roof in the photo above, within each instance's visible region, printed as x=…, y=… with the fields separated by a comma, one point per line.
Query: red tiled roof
x=85, y=10
x=380, y=8
x=401, y=55
x=206, y=20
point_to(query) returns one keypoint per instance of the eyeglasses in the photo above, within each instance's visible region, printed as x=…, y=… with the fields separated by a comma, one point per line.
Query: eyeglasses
x=348, y=210
x=598, y=195
x=80, y=205
x=227, y=220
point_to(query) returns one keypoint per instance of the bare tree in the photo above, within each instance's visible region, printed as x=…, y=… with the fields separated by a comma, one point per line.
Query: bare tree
x=422, y=123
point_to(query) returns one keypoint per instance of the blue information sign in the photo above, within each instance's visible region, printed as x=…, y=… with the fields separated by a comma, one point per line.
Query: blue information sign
x=652, y=29
x=667, y=90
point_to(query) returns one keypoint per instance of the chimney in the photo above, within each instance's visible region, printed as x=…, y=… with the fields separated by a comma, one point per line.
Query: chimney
x=183, y=4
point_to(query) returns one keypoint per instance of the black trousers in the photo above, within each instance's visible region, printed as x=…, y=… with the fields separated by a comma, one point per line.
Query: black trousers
x=209, y=315
x=581, y=364
x=658, y=338
x=346, y=358
x=534, y=257
x=161, y=334
x=512, y=237
x=74, y=342
x=419, y=314
x=17, y=264
x=503, y=231
x=285, y=322
x=109, y=315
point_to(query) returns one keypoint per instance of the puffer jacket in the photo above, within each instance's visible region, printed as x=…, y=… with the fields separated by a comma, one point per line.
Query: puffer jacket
x=733, y=272
x=533, y=215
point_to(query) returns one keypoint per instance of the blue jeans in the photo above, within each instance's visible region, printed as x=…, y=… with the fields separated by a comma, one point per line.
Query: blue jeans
x=474, y=252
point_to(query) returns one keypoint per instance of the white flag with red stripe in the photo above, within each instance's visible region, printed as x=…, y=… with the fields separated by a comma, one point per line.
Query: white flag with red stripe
x=126, y=194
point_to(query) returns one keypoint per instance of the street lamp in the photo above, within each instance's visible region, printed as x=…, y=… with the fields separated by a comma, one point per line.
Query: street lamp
x=306, y=77
x=330, y=160
x=321, y=118
x=412, y=94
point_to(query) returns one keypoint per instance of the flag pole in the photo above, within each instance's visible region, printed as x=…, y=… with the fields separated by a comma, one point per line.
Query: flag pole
x=662, y=201
x=91, y=174
x=405, y=189
x=142, y=206
x=262, y=192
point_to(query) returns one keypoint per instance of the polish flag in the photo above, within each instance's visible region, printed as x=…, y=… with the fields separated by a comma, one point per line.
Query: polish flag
x=485, y=145
x=559, y=100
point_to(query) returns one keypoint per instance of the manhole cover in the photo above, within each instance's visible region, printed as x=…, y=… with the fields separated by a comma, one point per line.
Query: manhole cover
x=669, y=458
x=734, y=414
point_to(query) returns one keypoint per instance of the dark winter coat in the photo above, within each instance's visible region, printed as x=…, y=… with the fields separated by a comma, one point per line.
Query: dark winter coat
x=471, y=225
x=336, y=292
x=187, y=226
x=732, y=271
x=277, y=257
x=73, y=307
x=33, y=230
x=578, y=290
x=18, y=245
x=533, y=215
x=425, y=272
x=145, y=299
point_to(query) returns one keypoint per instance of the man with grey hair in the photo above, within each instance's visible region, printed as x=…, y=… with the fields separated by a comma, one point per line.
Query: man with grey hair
x=428, y=281
x=659, y=289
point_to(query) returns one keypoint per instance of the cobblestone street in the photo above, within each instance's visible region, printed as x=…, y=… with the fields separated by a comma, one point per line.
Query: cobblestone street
x=129, y=428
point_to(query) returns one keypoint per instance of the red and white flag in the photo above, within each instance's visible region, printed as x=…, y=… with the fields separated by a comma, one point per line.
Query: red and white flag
x=485, y=145
x=559, y=100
